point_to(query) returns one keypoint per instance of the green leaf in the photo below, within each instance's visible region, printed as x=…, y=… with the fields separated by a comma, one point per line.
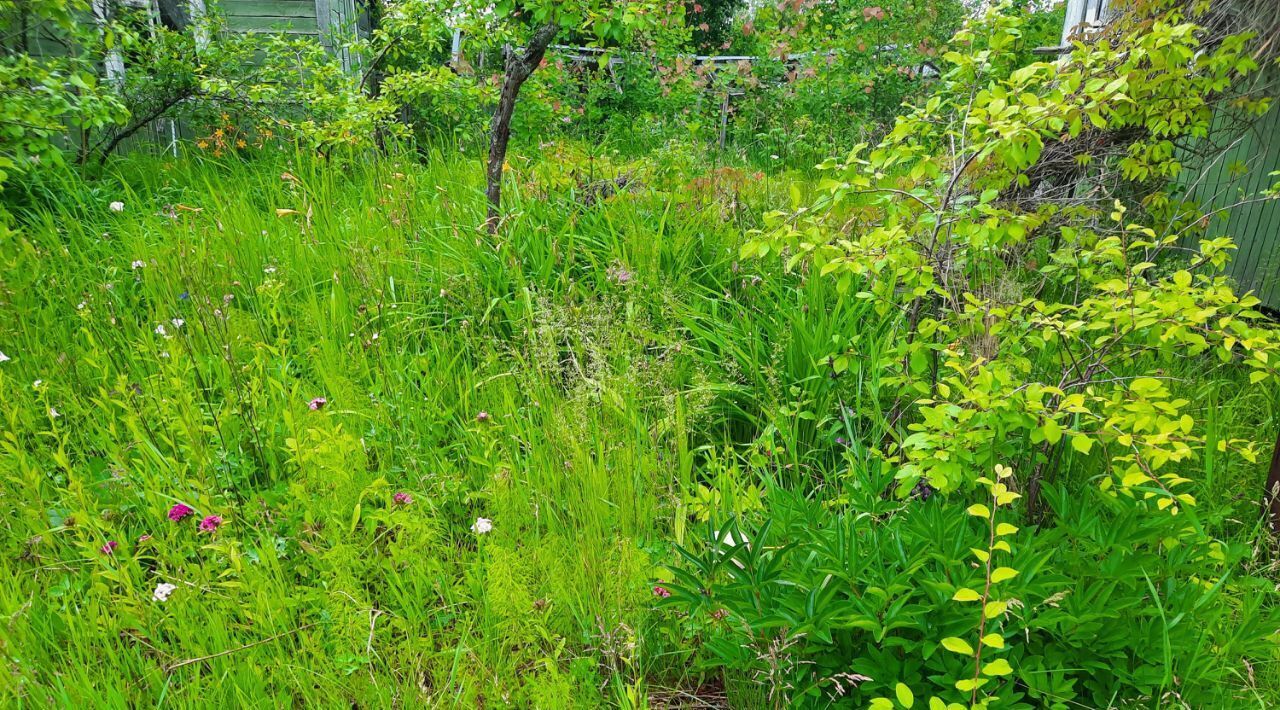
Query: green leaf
x=997, y=667
x=1081, y=443
x=904, y=695
x=969, y=684
x=979, y=510
x=881, y=704
x=964, y=594
x=1001, y=574
x=957, y=645
x=1052, y=431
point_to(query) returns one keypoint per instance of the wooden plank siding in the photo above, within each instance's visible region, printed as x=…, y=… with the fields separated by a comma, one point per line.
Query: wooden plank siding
x=1240, y=173
x=288, y=16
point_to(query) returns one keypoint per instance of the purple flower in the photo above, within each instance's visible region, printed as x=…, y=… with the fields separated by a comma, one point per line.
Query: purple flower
x=482, y=417
x=144, y=538
x=317, y=403
x=210, y=523
x=180, y=511
x=661, y=591
x=402, y=498
x=618, y=274
x=109, y=548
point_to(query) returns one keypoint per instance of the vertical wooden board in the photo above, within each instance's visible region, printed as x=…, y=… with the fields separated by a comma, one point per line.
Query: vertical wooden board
x=1239, y=174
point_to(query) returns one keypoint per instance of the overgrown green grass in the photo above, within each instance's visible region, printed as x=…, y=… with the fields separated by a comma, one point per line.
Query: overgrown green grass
x=554, y=380
x=594, y=381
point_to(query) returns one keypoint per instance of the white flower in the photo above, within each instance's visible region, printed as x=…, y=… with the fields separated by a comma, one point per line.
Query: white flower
x=162, y=592
x=482, y=526
x=81, y=305
x=138, y=264
x=36, y=385
x=160, y=330
x=53, y=413
x=117, y=206
x=177, y=322
x=269, y=270
x=4, y=358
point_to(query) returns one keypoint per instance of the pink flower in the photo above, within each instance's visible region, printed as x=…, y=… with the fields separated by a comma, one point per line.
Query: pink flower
x=661, y=592
x=180, y=511
x=210, y=523
x=402, y=498
x=144, y=538
x=317, y=403
x=483, y=417
x=109, y=548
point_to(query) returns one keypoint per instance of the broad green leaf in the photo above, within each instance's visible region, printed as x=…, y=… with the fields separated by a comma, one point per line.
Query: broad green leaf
x=1001, y=574
x=997, y=667
x=905, y=697
x=964, y=594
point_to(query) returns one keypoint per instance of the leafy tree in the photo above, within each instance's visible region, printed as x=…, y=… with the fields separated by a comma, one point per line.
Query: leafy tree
x=49, y=80
x=533, y=25
x=1023, y=224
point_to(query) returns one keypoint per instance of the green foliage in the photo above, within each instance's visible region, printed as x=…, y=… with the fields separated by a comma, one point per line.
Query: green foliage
x=42, y=95
x=841, y=606
x=980, y=431
x=1016, y=311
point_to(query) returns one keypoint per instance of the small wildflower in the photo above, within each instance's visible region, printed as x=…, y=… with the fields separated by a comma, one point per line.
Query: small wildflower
x=138, y=264
x=719, y=614
x=619, y=274
x=402, y=498
x=483, y=417
x=184, y=295
x=163, y=590
x=269, y=270
x=54, y=413
x=180, y=511
x=482, y=526
x=143, y=538
x=210, y=523
x=661, y=592
x=109, y=548
x=4, y=358
x=36, y=385
x=81, y=305
x=160, y=330
x=177, y=322
x=317, y=403
x=117, y=206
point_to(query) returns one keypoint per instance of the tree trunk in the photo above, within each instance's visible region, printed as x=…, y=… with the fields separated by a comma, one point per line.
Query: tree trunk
x=519, y=66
